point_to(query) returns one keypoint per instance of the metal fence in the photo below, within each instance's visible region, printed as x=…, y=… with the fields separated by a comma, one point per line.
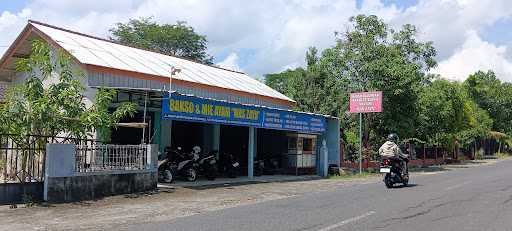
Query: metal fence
x=22, y=157
x=109, y=157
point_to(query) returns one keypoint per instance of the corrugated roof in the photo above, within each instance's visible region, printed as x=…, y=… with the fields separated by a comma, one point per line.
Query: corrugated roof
x=100, y=52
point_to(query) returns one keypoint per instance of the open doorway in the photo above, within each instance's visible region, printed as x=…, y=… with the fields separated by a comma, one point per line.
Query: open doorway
x=186, y=135
x=235, y=140
x=132, y=135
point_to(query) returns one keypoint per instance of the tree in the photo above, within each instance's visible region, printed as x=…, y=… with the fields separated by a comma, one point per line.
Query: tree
x=50, y=101
x=477, y=124
x=177, y=40
x=371, y=56
x=447, y=114
x=311, y=87
x=492, y=95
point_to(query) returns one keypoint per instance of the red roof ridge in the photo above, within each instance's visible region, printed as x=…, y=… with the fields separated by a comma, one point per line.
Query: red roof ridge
x=111, y=41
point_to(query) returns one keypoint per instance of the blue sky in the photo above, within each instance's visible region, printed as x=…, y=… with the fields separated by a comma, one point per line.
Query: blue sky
x=12, y=5
x=260, y=37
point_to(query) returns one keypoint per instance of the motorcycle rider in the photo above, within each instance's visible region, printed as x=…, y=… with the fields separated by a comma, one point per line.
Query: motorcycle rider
x=390, y=150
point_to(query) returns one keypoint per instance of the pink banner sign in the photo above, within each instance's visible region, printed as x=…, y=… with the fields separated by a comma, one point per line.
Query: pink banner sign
x=363, y=102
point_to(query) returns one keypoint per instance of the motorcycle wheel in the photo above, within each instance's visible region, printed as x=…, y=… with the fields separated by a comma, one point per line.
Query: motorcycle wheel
x=258, y=171
x=191, y=174
x=405, y=181
x=166, y=176
x=387, y=181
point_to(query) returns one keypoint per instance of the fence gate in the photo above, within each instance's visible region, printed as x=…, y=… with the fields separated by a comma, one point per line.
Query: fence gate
x=22, y=165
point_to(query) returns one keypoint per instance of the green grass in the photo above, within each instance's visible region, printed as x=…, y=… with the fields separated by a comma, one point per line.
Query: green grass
x=503, y=155
x=354, y=175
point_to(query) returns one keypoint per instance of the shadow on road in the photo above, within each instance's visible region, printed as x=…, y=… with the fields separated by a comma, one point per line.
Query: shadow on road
x=429, y=169
x=408, y=186
x=153, y=192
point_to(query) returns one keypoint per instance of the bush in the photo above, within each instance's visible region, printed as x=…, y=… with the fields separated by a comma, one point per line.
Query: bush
x=503, y=155
x=479, y=154
x=28, y=200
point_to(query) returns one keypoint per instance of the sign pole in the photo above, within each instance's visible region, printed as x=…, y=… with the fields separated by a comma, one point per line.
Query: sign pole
x=360, y=143
x=364, y=102
x=174, y=71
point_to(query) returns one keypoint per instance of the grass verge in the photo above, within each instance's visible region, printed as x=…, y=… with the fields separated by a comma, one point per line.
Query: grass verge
x=354, y=175
x=503, y=155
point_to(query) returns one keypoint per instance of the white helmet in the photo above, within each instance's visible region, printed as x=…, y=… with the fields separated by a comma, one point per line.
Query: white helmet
x=196, y=149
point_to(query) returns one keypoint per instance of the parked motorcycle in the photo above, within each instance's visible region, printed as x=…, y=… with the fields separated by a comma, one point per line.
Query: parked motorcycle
x=394, y=173
x=271, y=165
x=165, y=174
x=207, y=165
x=229, y=165
x=259, y=167
x=266, y=165
x=178, y=164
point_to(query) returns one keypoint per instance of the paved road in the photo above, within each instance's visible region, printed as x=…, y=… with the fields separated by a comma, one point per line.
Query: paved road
x=478, y=198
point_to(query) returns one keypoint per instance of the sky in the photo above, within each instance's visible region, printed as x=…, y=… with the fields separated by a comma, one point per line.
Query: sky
x=268, y=36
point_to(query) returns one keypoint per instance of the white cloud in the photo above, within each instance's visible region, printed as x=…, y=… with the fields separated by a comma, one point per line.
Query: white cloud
x=475, y=55
x=10, y=26
x=230, y=62
x=269, y=34
x=446, y=21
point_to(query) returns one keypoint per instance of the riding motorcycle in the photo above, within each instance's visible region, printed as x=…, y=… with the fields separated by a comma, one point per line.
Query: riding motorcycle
x=394, y=173
x=207, y=165
x=177, y=164
x=229, y=165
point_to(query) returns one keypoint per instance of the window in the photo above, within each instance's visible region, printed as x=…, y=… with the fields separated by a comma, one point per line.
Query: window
x=308, y=144
x=292, y=143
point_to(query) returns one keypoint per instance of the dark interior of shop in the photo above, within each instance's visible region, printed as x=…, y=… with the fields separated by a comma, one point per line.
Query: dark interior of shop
x=186, y=135
x=235, y=140
x=272, y=144
x=131, y=135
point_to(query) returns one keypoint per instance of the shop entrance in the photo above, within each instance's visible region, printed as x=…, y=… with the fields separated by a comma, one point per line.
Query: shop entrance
x=271, y=149
x=286, y=152
x=133, y=135
x=278, y=152
x=186, y=135
x=235, y=140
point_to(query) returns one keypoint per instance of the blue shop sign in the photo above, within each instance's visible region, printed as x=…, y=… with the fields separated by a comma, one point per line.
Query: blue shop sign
x=193, y=109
